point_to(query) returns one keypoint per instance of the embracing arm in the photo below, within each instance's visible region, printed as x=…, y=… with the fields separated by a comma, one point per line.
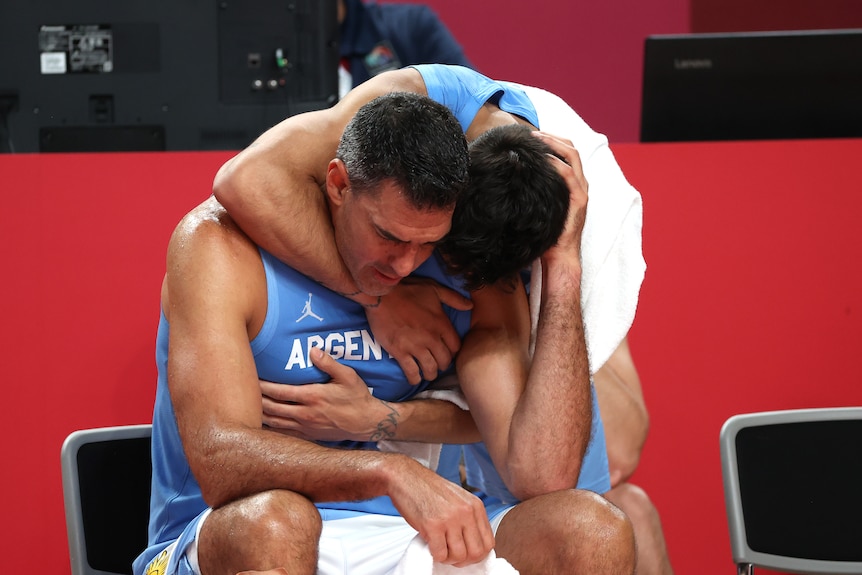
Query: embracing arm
x=624, y=413
x=342, y=409
x=214, y=275
x=272, y=189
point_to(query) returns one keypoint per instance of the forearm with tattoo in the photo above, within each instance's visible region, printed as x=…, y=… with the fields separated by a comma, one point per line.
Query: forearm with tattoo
x=387, y=426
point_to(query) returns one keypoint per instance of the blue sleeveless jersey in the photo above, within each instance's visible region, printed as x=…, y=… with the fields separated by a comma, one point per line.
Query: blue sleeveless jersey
x=301, y=314
x=464, y=92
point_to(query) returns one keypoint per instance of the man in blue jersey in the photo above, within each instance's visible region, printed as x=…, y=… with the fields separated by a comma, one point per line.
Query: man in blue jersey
x=535, y=418
x=229, y=496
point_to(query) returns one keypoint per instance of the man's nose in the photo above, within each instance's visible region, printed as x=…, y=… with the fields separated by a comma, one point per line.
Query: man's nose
x=406, y=260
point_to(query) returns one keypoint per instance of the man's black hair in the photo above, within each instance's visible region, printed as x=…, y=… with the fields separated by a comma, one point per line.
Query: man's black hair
x=411, y=140
x=514, y=209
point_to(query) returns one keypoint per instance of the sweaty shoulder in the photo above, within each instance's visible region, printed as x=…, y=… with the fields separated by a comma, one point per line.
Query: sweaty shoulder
x=208, y=239
x=208, y=221
x=209, y=259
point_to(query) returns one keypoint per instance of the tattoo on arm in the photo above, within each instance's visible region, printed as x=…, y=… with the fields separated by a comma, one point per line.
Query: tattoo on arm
x=386, y=427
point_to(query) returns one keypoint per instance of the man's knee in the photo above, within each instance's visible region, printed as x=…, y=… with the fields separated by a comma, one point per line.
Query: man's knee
x=264, y=531
x=597, y=519
x=279, y=515
x=634, y=502
x=567, y=531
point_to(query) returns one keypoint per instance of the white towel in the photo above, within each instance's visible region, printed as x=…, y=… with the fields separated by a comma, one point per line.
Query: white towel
x=611, y=256
x=428, y=454
x=417, y=560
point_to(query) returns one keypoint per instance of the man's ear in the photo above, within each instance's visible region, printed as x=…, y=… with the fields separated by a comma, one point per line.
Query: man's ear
x=337, y=182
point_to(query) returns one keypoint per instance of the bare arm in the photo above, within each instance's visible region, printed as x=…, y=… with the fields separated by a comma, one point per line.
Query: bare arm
x=272, y=188
x=214, y=298
x=535, y=418
x=209, y=299
x=624, y=412
x=343, y=409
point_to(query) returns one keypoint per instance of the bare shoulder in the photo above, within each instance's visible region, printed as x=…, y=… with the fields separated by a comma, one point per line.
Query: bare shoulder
x=210, y=261
x=207, y=243
x=207, y=222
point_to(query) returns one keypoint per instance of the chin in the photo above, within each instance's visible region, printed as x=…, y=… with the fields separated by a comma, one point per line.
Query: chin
x=373, y=288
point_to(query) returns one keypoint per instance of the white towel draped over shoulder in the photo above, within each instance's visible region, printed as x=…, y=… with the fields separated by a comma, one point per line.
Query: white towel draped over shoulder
x=611, y=253
x=417, y=560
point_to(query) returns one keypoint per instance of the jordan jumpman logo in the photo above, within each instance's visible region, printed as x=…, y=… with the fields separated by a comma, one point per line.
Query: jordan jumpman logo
x=306, y=311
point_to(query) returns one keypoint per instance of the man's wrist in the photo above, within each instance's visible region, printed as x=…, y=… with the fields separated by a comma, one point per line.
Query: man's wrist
x=387, y=425
x=562, y=267
x=393, y=469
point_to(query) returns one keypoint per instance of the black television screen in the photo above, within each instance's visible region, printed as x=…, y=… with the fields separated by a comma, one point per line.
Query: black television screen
x=132, y=75
x=752, y=86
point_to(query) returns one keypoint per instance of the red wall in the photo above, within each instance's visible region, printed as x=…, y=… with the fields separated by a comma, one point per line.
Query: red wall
x=752, y=301
x=83, y=247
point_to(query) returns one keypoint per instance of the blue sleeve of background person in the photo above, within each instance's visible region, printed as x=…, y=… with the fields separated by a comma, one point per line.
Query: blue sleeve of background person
x=465, y=91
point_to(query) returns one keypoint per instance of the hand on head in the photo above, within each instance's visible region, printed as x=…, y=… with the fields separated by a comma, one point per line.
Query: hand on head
x=569, y=167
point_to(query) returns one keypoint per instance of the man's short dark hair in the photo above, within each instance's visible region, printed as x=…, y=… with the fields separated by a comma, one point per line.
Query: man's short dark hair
x=411, y=140
x=514, y=209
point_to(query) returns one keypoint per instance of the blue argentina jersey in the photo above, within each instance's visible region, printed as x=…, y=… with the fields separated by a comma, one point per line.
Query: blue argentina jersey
x=300, y=315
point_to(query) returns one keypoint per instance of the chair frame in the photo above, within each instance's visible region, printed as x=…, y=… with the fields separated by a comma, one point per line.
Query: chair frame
x=72, y=487
x=744, y=557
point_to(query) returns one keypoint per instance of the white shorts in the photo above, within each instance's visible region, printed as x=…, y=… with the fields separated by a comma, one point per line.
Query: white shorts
x=361, y=545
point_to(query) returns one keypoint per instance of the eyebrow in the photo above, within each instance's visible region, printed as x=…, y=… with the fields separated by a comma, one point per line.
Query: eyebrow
x=392, y=237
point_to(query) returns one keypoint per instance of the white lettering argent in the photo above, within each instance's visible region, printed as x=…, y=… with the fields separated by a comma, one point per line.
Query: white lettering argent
x=351, y=347
x=314, y=341
x=370, y=346
x=354, y=345
x=334, y=345
x=297, y=358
